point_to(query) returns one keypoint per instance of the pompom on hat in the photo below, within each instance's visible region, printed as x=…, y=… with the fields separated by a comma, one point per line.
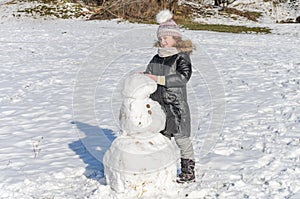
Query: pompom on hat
x=167, y=26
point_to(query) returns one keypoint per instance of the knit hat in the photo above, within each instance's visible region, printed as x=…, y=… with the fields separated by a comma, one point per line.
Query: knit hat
x=167, y=26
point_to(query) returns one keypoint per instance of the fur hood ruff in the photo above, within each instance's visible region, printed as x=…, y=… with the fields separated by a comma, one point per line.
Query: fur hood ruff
x=181, y=45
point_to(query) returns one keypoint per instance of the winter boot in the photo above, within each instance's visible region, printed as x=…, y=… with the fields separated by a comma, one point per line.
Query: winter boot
x=187, y=171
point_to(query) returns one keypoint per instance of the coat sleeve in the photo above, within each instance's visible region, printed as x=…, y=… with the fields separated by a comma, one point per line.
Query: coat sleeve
x=183, y=72
x=149, y=69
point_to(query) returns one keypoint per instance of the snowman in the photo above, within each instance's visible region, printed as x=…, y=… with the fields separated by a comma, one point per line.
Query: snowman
x=141, y=159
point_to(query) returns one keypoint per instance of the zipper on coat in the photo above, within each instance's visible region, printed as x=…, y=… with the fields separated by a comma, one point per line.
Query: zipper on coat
x=162, y=67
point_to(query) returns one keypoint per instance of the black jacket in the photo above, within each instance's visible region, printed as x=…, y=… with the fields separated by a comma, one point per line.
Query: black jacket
x=177, y=70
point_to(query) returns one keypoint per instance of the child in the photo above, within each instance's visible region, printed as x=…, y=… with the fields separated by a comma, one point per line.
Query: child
x=171, y=69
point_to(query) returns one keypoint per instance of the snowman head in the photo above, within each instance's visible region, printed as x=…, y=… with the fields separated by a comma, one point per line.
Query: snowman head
x=138, y=86
x=139, y=113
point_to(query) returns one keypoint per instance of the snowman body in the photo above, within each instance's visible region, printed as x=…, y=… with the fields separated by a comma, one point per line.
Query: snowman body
x=141, y=159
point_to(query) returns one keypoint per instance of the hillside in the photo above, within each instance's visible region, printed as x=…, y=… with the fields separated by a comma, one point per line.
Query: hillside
x=61, y=82
x=249, y=12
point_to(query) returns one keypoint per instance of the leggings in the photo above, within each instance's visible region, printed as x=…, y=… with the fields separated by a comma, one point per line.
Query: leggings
x=186, y=147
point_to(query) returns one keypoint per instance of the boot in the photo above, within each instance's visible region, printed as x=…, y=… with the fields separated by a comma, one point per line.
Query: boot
x=187, y=171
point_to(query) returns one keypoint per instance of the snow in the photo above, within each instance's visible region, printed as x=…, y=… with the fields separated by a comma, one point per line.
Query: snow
x=271, y=11
x=139, y=114
x=60, y=100
x=140, y=161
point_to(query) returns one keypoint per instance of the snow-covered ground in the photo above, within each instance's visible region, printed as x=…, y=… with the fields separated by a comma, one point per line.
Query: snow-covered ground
x=271, y=11
x=60, y=97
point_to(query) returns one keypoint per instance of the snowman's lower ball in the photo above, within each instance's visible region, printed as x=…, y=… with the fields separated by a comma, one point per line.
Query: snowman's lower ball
x=140, y=163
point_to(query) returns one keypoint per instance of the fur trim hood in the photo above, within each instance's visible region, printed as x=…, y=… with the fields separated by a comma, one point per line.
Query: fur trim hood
x=181, y=45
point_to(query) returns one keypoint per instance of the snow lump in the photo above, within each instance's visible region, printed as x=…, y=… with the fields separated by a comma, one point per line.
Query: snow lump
x=140, y=160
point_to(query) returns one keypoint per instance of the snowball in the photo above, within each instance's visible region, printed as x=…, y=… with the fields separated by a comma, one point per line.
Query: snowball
x=139, y=113
x=141, y=116
x=132, y=164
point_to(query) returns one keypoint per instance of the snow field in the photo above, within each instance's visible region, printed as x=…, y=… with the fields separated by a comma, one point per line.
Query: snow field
x=59, y=97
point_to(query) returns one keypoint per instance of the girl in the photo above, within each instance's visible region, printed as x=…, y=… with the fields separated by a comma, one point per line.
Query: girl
x=171, y=69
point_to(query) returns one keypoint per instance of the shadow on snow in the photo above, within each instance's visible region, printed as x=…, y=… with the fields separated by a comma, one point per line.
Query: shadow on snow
x=94, y=169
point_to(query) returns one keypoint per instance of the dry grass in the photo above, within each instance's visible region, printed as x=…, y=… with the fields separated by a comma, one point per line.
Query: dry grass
x=224, y=28
x=253, y=16
x=139, y=10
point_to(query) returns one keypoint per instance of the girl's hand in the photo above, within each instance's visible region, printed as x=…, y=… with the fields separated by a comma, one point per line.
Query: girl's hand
x=154, y=77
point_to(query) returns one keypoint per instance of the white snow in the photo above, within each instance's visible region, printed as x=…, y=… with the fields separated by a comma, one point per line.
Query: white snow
x=60, y=99
x=140, y=161
x=271, y=11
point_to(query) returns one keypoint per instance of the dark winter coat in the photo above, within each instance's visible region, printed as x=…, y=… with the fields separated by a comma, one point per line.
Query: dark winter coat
x=172, y=96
